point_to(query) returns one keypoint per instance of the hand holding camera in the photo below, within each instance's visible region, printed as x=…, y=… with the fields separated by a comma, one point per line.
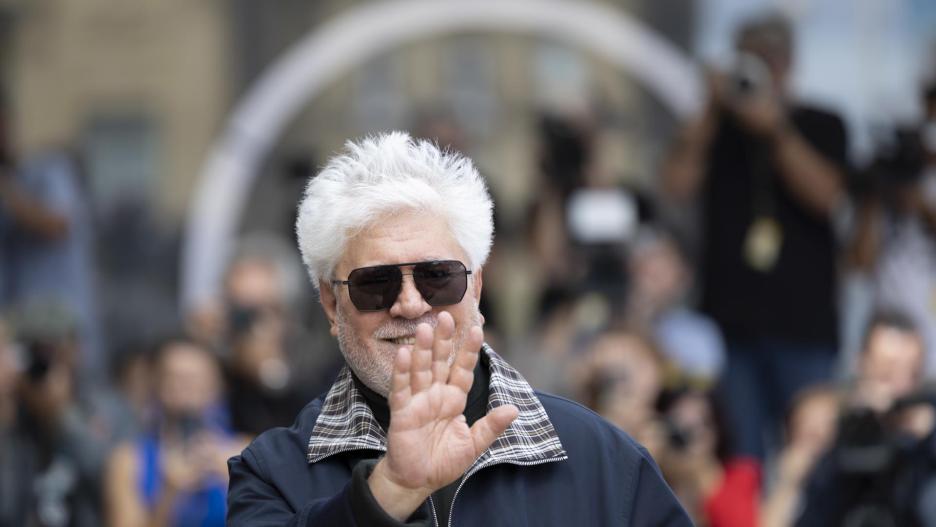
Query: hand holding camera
x=187, y=463
x=749, y=93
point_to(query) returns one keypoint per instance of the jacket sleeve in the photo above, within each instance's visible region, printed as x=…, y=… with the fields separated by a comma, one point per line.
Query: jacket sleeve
x=366, y=509
x=254, y=502
x=652, y=501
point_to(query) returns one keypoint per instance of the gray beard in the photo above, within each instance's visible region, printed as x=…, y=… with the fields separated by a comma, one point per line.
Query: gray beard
x=375, y=367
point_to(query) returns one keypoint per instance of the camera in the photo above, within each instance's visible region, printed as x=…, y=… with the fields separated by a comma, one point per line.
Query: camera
x=875, y=472
x=749, y=76
x=677, y=437
x=601, y=216
x=38, y=356
x=241, y=319
x=900, y=157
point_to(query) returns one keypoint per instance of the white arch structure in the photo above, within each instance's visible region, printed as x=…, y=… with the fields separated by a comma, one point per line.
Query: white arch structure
x=361, y=33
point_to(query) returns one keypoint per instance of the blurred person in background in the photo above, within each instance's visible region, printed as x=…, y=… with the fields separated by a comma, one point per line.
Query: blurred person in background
x=46, y=242
x=9, y=377
x=600, y=219
x=176, y=473
x=769, y=174
x=557, y=342
x=133, y=388
x=54, y=450
x=810, y=430
x=620, y=378
x=657, y=300
x=717, y=490
x=896, y=237
x=564, y=157
x=884, y=453
x=267, y=336
x=567, y=308
x=262, y=374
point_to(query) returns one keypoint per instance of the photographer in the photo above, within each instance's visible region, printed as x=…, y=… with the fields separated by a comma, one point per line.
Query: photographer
x=52, y=449
x=769, y=174
x=895, y=241
x=883, y=452
x=261, y=374
x=176, y=474
x=46, y=239
x=620, y=377
x=717, y=490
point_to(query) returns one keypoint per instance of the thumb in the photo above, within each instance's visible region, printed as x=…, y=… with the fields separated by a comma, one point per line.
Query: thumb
x=486, y=429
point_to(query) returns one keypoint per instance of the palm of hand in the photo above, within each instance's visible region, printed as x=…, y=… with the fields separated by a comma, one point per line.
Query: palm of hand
x=429, y=443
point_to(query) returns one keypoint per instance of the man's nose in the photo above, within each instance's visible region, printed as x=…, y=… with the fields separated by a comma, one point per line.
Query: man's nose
x=410, y=302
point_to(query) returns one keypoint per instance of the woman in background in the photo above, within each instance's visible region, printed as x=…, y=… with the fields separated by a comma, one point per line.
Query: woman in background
x=176, y=475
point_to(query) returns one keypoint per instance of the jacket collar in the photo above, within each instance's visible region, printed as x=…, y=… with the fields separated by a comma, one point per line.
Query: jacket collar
x=346, y=423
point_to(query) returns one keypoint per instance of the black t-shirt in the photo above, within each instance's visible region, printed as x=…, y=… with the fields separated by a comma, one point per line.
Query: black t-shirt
x=795, y=299
x=255, y=409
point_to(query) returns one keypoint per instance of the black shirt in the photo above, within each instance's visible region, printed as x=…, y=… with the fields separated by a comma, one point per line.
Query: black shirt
x=475, y=408
x=255, y=408
x=795, y=300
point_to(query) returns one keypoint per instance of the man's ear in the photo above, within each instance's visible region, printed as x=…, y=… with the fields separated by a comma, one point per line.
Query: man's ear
x=329, y=305
x=476, y=283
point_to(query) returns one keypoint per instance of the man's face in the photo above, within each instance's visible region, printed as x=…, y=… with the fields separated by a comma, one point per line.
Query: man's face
x=892, y=361
x=189, y=381
x=369, y=340
x=777, y=61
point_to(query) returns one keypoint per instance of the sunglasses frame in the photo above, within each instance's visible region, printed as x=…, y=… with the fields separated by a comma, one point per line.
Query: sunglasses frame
x=402, y=274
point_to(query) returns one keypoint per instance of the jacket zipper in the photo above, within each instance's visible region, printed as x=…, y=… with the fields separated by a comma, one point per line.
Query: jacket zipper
x=435, y=519
x=490, y=464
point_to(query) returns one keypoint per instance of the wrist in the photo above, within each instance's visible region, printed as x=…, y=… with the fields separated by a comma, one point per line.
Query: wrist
x=396, y=499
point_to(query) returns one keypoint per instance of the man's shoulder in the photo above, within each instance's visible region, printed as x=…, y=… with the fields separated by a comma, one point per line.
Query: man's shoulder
x=581, y=429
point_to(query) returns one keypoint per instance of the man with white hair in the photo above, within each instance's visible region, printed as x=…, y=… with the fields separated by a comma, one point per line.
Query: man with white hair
x=416, y=430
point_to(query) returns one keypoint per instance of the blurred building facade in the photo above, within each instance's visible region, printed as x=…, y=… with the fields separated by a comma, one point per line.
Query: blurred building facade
x=140, y=91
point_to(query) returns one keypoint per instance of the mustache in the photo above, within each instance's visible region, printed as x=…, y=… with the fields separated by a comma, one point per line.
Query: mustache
x=403, y=328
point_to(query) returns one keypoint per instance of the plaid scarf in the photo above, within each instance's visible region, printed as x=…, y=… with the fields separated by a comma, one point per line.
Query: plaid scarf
x=346, y=423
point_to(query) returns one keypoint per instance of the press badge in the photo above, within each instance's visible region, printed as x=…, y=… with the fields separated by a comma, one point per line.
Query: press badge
x=762, y=244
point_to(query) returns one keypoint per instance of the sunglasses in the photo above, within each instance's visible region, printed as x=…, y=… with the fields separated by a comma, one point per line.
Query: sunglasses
x=440, y=282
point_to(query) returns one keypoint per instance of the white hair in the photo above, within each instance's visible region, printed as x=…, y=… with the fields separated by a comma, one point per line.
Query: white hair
x=386, y=174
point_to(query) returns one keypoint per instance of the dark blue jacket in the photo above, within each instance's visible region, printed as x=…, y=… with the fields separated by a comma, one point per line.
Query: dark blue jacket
x=603, y=478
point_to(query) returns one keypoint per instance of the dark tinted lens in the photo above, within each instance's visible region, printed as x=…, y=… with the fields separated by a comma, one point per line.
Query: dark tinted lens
x=374, y=288
x=441, y=283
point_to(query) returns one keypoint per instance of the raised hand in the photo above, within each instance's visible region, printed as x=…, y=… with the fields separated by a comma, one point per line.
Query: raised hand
x=429, y=443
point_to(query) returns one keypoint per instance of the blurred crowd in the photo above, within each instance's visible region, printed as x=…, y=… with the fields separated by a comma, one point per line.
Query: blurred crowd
x=703, y=316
